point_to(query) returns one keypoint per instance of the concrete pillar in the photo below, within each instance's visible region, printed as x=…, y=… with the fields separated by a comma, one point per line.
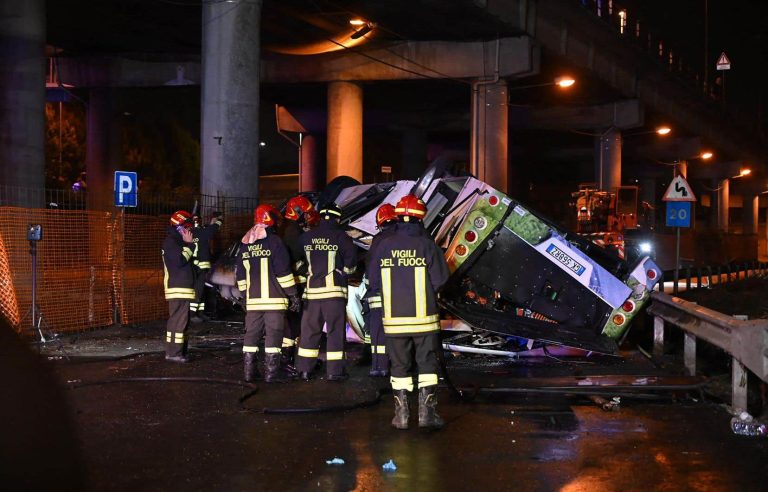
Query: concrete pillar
x=102, y=147
x=751, y=204
x=22, y=97
x=608, y=160
x=723, y=204
x=229, y=136
x=310, y=175
x=490, y=134
x=344, y=150
x=414, y=147
x=682, y=168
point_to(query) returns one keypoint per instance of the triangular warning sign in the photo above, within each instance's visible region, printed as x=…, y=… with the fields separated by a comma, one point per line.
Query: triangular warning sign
x=723, y=63
x=679, y=191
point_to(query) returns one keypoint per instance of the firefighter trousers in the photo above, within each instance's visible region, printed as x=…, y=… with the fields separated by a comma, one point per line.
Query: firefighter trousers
x=332, y=312
x=404, y=351
x=198, y=303
x=267, y=324
x=292, y=325
x=176, y=328
x=380, y=360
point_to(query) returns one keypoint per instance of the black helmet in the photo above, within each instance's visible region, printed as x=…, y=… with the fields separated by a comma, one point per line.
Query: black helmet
x=330, y=211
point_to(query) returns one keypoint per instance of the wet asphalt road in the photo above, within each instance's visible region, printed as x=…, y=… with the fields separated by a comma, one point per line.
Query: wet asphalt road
x=196, y=436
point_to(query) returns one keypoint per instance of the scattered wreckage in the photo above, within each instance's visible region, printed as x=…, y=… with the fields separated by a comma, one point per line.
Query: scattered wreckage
x=518, y=281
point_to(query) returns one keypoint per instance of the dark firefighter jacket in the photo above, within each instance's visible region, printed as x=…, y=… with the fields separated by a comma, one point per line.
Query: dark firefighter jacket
x=263, y=272
x=178, y=278
x=291, y=234
x=331, y=256
x=202, y=248
x=407, y=271
x=374, y=300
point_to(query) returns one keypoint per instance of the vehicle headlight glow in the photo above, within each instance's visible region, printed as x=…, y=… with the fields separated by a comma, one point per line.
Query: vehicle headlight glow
x=646, y=247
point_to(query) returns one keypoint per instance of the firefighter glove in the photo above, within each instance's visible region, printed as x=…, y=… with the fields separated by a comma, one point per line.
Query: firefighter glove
x=294, y=304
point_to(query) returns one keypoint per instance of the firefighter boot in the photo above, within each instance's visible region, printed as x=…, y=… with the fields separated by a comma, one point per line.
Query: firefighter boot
x=428, y=416
x=286, y=360
x=251, y=371
x=272, y=369
x=402, y=412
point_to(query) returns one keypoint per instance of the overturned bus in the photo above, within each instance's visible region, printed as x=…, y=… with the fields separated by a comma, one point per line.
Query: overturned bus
x=518, y=281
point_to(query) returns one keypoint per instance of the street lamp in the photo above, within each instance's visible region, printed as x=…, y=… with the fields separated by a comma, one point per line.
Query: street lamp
x=706, y=155
x=563, y=82
x=663, y=130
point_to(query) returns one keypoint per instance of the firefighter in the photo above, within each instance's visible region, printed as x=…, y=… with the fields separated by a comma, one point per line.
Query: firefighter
x=386, y=219
x=299, y=215
x=331, y=256
x=407, y=271
x=178, y=283
x=202, y=236
x=263, y=273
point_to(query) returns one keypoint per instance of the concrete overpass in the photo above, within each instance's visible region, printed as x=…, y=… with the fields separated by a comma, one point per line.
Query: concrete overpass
x=500, y=44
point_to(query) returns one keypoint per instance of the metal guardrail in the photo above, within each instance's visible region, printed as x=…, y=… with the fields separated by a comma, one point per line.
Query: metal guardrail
x=708, y=276
x=746, y=341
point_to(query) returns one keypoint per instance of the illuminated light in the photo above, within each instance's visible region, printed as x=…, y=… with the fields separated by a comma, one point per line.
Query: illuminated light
x=619, y=319
x=262, y=144
x=651, y=274
x=367, y=28
x=470, y=236
x=628, y=306
x=357, y=22
x=565, y=82
x=461, y=250
x=663, y=130
x=493, y=200
x=745, y=172
x=646, y=248
x=706, y=155
x=480, y=223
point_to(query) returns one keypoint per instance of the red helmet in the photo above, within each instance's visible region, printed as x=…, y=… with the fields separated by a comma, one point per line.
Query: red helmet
x=274, y=212
x=296, y=207
x=311, y=217
x=181, y=218
x=263, y=216
x=385, y=213
x=411, y=206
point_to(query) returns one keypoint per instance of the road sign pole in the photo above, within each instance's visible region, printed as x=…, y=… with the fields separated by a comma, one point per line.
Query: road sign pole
x=677, y=260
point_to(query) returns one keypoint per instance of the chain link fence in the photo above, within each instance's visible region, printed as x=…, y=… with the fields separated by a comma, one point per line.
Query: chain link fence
x=96, y=268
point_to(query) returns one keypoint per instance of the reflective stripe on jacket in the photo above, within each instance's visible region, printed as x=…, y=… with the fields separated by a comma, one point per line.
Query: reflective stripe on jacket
x=263, y=272
x=331, y=256
x=178, y=280
x=407, y=270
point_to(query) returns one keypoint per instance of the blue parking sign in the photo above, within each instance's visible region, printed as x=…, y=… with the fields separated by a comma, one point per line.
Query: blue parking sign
x=126, y=189
x=678, y=214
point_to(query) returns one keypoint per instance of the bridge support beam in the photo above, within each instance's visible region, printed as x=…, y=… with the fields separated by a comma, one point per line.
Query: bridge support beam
x=229, y=136
x=608, y=160
x=723, y=204
x=490, y=134
x=22, y=97
x=345, y=130
x=310, y=174
x=102, y=147
x=751, y=204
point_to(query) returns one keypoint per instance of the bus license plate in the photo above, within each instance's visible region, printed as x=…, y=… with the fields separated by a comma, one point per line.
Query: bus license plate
x=565, y=259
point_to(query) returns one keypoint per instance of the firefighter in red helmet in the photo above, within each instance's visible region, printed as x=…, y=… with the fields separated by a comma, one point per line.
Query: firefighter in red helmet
x=386, y=219
x=332, y=257
x=264, y=276
x=178, y=283
x=407, y=270
x=300, y=216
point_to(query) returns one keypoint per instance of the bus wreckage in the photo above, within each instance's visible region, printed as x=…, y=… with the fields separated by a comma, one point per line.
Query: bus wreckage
x=518, y=281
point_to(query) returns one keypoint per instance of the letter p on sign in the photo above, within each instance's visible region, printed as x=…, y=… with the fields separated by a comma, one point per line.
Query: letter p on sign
x=126, y=189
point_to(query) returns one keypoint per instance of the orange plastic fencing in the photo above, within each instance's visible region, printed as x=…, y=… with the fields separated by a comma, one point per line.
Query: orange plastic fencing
x=90, y=266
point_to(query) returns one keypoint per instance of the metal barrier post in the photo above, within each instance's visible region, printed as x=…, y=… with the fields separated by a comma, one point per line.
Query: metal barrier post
x=738, y=387
x=710, y=276
x=689, y=353
x=687, y=278
x=658, y=336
